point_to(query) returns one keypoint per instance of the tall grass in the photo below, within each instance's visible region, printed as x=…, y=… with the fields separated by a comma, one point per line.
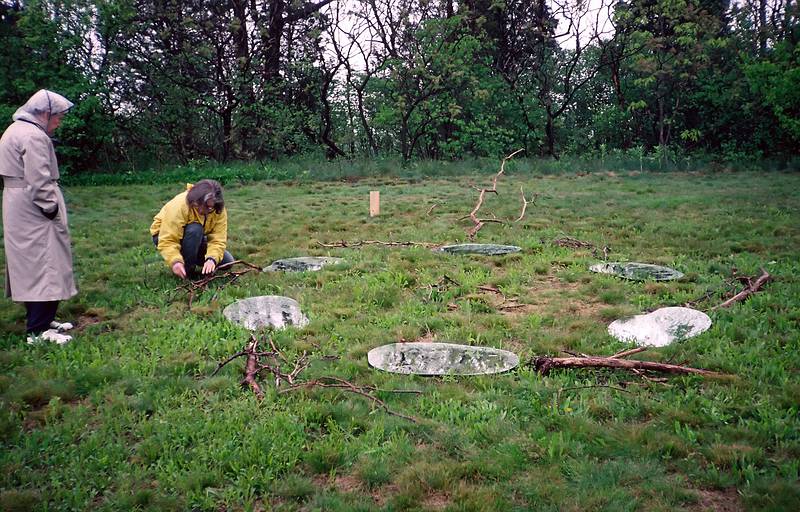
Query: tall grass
x=128, y=416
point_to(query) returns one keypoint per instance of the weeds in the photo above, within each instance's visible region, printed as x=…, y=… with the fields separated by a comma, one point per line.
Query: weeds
x=128, y=417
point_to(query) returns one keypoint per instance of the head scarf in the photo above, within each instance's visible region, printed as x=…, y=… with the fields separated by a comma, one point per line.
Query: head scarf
x=41, y=107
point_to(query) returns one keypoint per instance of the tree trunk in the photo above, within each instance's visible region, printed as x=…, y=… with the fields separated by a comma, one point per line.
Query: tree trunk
x=550, y=133
x=762, y=27
x=404, y=149
x=367, y=130
x=227, y=128
x=272, y=39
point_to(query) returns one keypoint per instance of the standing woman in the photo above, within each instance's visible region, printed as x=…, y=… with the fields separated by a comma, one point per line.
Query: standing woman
x=36, y=237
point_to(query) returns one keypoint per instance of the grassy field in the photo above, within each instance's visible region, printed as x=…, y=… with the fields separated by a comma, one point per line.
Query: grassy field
x=128, y=417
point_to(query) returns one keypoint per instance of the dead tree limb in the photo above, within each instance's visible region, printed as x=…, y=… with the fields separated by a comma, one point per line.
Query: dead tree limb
x=544, y=364
x=525, y=203
x=479, y=223
x=626, y=353
x=359, y=243
x=336, y=383
x=752, y=287
x=255, y=366
x=572, y=243
x=224, y=274
x=251, y=368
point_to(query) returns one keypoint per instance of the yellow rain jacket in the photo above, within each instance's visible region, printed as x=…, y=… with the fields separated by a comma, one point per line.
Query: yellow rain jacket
x=175, y=215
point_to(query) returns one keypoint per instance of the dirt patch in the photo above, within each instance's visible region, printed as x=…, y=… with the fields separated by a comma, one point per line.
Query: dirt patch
x=320, y=481
x=548, y=296
x=342, y=483
x=380, y=495
x=726, y=500
x=435, y=501
x=90, y=317
x=347, y=483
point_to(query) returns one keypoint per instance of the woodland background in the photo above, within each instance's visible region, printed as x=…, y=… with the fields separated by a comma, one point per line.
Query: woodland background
x=176, y=81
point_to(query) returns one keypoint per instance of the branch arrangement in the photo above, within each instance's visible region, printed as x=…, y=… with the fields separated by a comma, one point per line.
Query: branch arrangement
x=359, y=243
x=473, y=215
x=751, y=288
x=525, y=203
x=574, y=243
x=752, y=285
x=255, y=365
x=544, y=364
x=224, y=274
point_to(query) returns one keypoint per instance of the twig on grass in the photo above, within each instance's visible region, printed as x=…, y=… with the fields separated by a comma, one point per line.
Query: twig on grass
x=626, y=353
x=255, y=366
x=543, y=364
x=572, y=243
x=223, y=273
x=337, y=383
x=441, y=285
x=359, y=243
x=752, y=287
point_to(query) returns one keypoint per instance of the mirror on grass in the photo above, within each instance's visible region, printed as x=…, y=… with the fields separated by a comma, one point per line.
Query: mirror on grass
x=637, y=271
x=427, y=358
x=661, y=327
x=485, y=249
x=302, y=264
x=266, y=311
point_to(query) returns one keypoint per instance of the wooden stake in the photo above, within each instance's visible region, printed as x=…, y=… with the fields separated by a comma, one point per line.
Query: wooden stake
x=374, y=203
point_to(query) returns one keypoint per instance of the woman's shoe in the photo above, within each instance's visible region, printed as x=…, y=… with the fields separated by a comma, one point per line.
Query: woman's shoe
x=49, y=335
x=61, y=326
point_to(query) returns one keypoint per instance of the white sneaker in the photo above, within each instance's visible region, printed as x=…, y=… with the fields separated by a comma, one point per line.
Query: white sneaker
x=49, y=335
x=61, y=326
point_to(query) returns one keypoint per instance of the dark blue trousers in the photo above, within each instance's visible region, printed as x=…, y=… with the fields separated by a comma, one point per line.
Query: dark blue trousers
x=39, y=315
x=194, y=245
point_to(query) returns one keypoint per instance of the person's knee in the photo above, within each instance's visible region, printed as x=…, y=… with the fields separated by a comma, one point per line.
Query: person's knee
x=193, y=229
x=227, y=258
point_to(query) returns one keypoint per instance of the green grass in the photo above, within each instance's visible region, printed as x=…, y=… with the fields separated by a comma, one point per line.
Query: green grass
x=128, y=417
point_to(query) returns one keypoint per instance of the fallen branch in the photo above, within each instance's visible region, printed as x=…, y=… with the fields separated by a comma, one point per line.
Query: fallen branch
x=255, y=366
x=359, y=243
x=525, y=203
x=251, y=369
x=626, y=353
x=572, y=243
x=441, y=285
x=337, y=383
x=479, y=223
x=752, y=287
x=223, y=273
x=544, y=364
x=431, y=209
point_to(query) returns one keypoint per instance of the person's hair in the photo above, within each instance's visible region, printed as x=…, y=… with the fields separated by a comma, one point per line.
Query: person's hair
x=204, y=191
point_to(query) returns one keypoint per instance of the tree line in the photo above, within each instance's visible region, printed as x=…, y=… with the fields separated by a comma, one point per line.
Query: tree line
x=181, y=80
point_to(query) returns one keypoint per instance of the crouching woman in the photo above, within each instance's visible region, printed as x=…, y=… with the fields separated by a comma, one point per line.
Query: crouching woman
x=191, y=230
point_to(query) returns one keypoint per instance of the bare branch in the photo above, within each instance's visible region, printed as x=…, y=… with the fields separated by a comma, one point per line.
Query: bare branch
x=479, y=223
x=751, y=289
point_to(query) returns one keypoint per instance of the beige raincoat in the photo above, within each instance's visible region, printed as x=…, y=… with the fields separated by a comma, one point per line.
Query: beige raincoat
x=38, y=253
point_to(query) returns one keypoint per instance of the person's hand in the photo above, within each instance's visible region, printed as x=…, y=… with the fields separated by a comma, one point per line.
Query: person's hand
x=179, y=270
x=50, y=215
x=209, y=266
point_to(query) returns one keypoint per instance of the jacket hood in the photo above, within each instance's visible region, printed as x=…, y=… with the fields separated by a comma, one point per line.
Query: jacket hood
x=41, y=106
